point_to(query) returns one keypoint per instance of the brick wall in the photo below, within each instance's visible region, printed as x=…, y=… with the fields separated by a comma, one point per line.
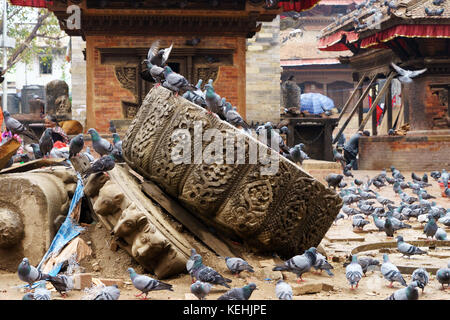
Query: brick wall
x=263, y=73
x=421, y=153
x=104, y=92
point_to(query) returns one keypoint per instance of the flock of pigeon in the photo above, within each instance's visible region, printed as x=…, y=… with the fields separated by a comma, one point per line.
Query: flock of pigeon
x=389, y=219
x=162, y=74
x=110, y=153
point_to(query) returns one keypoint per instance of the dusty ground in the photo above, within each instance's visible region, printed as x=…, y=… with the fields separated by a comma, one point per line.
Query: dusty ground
x=338, y=243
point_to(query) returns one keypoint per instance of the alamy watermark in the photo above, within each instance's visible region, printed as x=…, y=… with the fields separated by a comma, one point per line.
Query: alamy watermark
x=224, y=148
x=73, y=22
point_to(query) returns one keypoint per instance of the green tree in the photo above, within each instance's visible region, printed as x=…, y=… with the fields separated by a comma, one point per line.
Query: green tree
x=36, y=31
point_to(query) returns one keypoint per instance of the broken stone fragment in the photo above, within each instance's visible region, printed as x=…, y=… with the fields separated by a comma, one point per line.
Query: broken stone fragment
x=11, y=228
x=306, y=288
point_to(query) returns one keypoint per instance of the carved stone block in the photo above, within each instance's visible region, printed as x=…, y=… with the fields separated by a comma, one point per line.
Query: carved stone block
x=286, y=212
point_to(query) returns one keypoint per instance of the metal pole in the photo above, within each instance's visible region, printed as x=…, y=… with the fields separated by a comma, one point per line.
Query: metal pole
x=5, y=82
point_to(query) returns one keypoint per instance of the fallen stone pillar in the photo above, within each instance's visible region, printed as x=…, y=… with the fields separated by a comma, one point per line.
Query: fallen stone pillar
x=287, y=212
x=32, y=207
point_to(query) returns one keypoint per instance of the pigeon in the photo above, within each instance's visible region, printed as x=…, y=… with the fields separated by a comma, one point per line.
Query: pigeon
x=297, y=155
x=359, y=222
x=445, y=177
x=388, y=227
x=440, y=234
x=145, y=283
x=408, y=293
x=342, y=184
x=367, y=263
x=108, y=293
x=443, y=276
x=190, y=263
x=117, y=142
x=445, y=220
x=243, y=293
x=299, y=264
x=339, y=216
x=333, y=180
x=101, y=146
x=46, y=142
x=237, y=265
x=193, y=42
x=396, y=223
x=407, y=249
x=213, y=102
x=435, y=175
x=197, y=96
x=62, y=283
x=438, y=2
x=322, y=264
x=175, y=81
x=391, y=272
x=36, y=151
x=40, y=293
x=415, y=177
x=200, y=289
x=103, y=164
x=234, y=118
x=28, y=273
x=354, y=272
x=76, y=145
x=431, y=227
x=207, y=274
x=358, y=182
x=283, y=290
x=390, y=180
x=346, y=172
x=112, y=127
x=407, y=199
x=434, y=12
x=338, y=157
x=157, y=56
x=406, y=75
x=16, y=127
x=421, y=276
x=380, y=224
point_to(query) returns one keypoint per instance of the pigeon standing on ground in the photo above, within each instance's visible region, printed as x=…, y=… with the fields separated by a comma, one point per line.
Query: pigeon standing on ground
x=28, y=273
x=406, y=75
x=297, y=155
x=145, y=283
x=408, y=293
x=443, y=276
x=359, y=222
x=190, y=263
x=16, y=127
x=322, y=264
x=407, y=249
x=207, y=274
x=421, y=276
x=200, y=289
x=62, y=283
x=389, y=227
x=440, y=234
x=108, y=293
x=283, y=290
x=354, y=272
x=333, y=180
x=237, y=265
x=243, y=293
x=76, y=145
x=40, y=293
x=390, y=272
x=430, y=227
x=46, y=142
x=299, y=264
x=101, y=146
x=103, y=164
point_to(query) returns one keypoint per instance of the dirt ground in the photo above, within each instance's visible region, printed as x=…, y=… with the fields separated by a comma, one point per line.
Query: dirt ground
x=338, y=243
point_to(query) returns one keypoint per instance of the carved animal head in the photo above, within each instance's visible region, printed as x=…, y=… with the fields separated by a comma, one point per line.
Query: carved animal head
x=132, y=220
x=149, y=242
x=109, y=200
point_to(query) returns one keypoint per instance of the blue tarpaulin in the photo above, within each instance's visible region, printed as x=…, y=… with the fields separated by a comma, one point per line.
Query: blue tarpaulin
x=68, y=230
x=315, y=103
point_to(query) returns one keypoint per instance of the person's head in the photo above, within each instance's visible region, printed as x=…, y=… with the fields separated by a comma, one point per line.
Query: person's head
x=50, y=121
x=366, y=133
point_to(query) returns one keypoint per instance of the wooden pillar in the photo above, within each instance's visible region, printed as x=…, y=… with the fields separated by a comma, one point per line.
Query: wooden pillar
x=388, y=106
x=374, y=112
x=360, y=108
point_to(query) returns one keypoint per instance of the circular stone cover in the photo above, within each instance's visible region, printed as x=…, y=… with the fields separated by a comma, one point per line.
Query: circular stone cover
x=11, y=228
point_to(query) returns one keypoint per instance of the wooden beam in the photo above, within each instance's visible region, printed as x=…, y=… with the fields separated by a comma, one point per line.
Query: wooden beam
x=361, y=98
x=388, y=107
x=186, y=219
x=347, y=103
x=374, y=116
x=377, y=99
